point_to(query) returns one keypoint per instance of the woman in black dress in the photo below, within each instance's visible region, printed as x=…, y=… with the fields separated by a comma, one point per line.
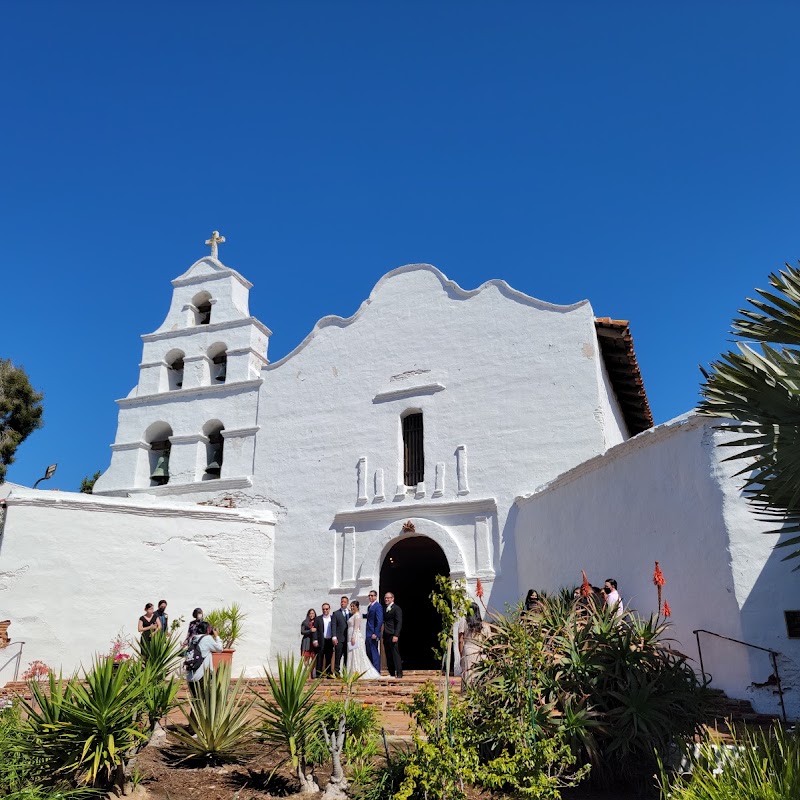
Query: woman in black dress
x=148, y=623
x=309, y=646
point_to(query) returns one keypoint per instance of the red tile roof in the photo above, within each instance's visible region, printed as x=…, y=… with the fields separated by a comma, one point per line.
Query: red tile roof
x=616, y=345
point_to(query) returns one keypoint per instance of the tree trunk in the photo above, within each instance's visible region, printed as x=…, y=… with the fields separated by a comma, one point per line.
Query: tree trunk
x=307, y=783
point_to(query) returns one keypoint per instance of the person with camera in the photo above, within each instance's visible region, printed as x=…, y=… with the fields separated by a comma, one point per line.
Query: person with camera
x=202, y=644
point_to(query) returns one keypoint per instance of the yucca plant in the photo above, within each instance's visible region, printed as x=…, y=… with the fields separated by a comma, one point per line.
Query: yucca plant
x=290, y=715
x=86, y=730
x=760, y=765
x=159, y=659
x=759, y=388
x=218, y=728
x=161, y=653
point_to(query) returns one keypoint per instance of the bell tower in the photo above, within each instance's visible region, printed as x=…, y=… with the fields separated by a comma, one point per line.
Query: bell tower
x=189, y=425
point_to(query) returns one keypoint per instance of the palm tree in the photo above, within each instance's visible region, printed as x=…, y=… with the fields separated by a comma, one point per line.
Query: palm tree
x=758, y=387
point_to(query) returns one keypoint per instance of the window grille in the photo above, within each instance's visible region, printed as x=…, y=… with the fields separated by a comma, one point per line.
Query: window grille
x=413, y=450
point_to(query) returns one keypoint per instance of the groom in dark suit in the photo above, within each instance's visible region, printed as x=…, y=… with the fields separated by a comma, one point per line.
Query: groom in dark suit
x=340, y=617
x=392, y=625
x=373, y=630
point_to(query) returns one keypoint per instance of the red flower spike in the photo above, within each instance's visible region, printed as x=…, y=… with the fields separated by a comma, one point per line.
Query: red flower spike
x=586, y=589
x=658, y=576
x=479, y=590
x=667, y=609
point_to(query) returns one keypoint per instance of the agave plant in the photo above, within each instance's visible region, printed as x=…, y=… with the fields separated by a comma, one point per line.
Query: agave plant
x=290, y=716
x=759, y=388
x=218, y=728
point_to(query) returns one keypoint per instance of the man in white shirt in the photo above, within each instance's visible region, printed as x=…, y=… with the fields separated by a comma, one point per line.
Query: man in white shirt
x=325, y=633
x=613, y=600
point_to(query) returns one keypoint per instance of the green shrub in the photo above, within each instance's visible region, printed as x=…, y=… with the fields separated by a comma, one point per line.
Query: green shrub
x=383, y=782
x=611, y=686
x=761, y=766
x=17, y=769
x=217, y=725
x=454, y=748
x=361, y=738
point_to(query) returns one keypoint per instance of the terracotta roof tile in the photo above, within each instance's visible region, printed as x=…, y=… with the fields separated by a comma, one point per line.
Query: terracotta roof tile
x=616, y=345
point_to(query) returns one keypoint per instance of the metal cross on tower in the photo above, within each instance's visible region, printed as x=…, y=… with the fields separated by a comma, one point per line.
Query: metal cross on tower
x=214, y=242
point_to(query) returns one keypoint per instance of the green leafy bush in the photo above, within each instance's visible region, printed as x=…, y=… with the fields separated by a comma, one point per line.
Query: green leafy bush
x=611, y=686
x=453, y=748
x=761, y=765
x=218, y=728
x=361, y=739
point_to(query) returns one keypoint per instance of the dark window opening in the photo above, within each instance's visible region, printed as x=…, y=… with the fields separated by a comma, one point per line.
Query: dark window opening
x=413, y=450
x=204, y=313
x=792, y=624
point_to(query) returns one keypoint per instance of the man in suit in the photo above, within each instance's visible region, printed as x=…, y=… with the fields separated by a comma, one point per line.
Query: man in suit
x=372, y=630
x=340, y=617
x=325, y=638
x=392, y=625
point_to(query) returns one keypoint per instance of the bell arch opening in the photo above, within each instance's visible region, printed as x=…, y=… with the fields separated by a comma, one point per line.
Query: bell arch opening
x=409, y=571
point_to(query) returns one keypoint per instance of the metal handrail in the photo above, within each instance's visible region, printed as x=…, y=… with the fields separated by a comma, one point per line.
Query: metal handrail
x=17, y=657
x=773, y=654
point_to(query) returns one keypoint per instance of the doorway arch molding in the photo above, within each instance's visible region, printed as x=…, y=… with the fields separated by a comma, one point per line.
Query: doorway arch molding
x=382, y=541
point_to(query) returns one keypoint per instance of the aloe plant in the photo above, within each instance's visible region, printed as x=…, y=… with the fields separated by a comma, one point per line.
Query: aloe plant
x=218, y=728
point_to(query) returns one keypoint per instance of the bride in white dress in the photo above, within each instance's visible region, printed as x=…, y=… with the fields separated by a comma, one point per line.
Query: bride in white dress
x=357, y=660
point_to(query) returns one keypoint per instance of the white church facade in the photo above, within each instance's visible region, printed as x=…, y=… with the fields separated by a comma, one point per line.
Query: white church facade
x=481, y=433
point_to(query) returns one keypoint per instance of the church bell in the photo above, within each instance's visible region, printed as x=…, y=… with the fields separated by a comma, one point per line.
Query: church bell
x=161, y=473
x=222, y=372
x=215, y=465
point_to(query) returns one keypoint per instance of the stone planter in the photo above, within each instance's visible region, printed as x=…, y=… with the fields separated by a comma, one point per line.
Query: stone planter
x=225, y=657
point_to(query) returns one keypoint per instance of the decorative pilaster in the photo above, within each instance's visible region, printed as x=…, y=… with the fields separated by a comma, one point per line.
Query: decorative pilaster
x=483, y=546
x=438, y=486
x=348, y=564
x=461, y=469
x=379, y=495
x=362, y=480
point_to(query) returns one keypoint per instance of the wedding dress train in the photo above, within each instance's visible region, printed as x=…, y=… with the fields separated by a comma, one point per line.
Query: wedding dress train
x=357, y=659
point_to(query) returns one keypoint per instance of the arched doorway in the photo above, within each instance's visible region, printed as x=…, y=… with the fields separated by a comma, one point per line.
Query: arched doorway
x=409, y=571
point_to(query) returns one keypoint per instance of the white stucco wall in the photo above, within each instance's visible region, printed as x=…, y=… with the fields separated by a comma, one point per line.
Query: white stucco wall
x=77, y=569
x=507, y=382
x=665, y=495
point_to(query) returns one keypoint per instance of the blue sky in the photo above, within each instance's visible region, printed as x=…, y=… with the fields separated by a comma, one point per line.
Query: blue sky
x=641, y=155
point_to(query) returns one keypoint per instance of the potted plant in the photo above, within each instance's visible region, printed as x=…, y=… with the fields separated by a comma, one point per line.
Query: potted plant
x=228, y=622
